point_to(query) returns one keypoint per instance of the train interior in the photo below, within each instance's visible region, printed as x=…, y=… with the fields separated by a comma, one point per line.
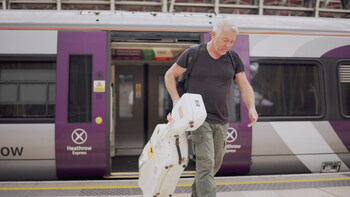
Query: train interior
x=140, y=100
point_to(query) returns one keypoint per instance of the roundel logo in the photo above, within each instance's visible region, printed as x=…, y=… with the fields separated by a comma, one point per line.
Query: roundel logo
x=231, y=135
x=79, y=136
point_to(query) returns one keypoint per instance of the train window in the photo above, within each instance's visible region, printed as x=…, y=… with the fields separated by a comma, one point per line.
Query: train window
x=24, y=86
x=126, y=96
x=80, y=88
x=33, y=93
x=344, y=78
x=11, y=93
x=234, y=103
x=52, y=93
x=286, y=89
x=165, y=103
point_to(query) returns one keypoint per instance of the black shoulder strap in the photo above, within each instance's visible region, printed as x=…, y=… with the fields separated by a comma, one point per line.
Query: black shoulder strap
x=193, y=55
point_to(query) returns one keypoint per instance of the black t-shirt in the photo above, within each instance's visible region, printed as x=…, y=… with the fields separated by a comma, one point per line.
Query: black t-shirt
x=212, y=78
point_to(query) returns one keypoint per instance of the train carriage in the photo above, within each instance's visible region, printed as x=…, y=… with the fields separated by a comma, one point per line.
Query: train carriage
x=79, y=90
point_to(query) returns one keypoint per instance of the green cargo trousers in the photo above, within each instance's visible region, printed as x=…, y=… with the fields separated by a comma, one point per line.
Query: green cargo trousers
x=208, y=144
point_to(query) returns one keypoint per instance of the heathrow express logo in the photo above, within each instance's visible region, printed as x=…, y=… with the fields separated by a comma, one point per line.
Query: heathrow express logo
x=232, y=136
x=79, y=136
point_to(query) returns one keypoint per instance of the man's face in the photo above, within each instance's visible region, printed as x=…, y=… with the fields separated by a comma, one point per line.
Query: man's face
x=224, y=40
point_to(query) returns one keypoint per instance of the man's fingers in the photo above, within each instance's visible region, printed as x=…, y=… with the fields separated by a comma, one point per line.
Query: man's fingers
x=253, y=118
x=169, y=117
x=252, y=123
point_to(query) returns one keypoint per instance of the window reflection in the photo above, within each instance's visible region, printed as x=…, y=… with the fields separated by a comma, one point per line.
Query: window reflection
x=126, y=96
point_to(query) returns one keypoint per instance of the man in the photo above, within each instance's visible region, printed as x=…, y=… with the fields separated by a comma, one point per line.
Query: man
x=211, y=77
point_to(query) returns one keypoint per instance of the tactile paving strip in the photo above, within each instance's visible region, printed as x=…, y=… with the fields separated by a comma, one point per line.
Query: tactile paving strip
x=222, y=187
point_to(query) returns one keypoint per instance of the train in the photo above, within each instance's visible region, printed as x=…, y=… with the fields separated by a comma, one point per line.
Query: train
x=82, y=91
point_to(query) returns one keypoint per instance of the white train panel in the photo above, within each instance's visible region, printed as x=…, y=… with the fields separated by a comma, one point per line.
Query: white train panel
x=263, y=45
x=27, y=151
x=28, y=42
x=27, y=169
x=27, y=141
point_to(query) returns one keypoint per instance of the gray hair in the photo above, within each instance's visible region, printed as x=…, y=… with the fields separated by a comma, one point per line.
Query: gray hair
x=222, y=23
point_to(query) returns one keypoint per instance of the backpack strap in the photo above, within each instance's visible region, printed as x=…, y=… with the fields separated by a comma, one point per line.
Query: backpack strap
x=193, y=56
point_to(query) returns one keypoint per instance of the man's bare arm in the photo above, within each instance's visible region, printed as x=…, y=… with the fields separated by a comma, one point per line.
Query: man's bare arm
x=248, y=96
x=170, y=81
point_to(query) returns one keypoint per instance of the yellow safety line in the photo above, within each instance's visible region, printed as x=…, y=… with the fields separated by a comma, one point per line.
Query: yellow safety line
x=75, y=187
x=179, y=185
x=284, y=181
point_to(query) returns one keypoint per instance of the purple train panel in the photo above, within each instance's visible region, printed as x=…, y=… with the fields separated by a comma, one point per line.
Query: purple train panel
x=81, y=103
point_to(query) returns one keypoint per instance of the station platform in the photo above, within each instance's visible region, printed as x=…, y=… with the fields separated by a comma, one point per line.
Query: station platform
x=298, y=185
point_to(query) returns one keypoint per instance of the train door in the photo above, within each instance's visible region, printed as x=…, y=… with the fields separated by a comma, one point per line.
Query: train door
x=130, y=109
x=81, y=104
x=142, y=102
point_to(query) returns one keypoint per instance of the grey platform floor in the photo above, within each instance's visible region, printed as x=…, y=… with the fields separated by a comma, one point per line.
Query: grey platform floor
x=300, y=185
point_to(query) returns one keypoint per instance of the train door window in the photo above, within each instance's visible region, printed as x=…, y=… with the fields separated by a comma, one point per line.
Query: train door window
x=344, y=79
x=25, y=84
x=165, y=103
x=285, y=89
x=126, y=96
x=80, y=88
x=234, y=103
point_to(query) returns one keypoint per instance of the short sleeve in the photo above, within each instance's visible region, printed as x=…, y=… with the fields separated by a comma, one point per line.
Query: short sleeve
x=183, y=59
x=239, y=66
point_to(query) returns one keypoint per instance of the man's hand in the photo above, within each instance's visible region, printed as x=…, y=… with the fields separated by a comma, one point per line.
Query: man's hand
x=169, y=117
x=253, y=116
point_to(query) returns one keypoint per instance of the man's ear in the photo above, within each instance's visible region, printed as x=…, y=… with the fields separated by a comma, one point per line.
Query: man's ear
x=213, y=34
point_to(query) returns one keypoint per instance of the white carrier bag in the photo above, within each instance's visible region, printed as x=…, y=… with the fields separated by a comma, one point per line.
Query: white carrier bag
x=165, y=156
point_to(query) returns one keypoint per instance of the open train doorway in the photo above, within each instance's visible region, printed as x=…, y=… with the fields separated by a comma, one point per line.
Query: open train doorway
x=140, y=100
